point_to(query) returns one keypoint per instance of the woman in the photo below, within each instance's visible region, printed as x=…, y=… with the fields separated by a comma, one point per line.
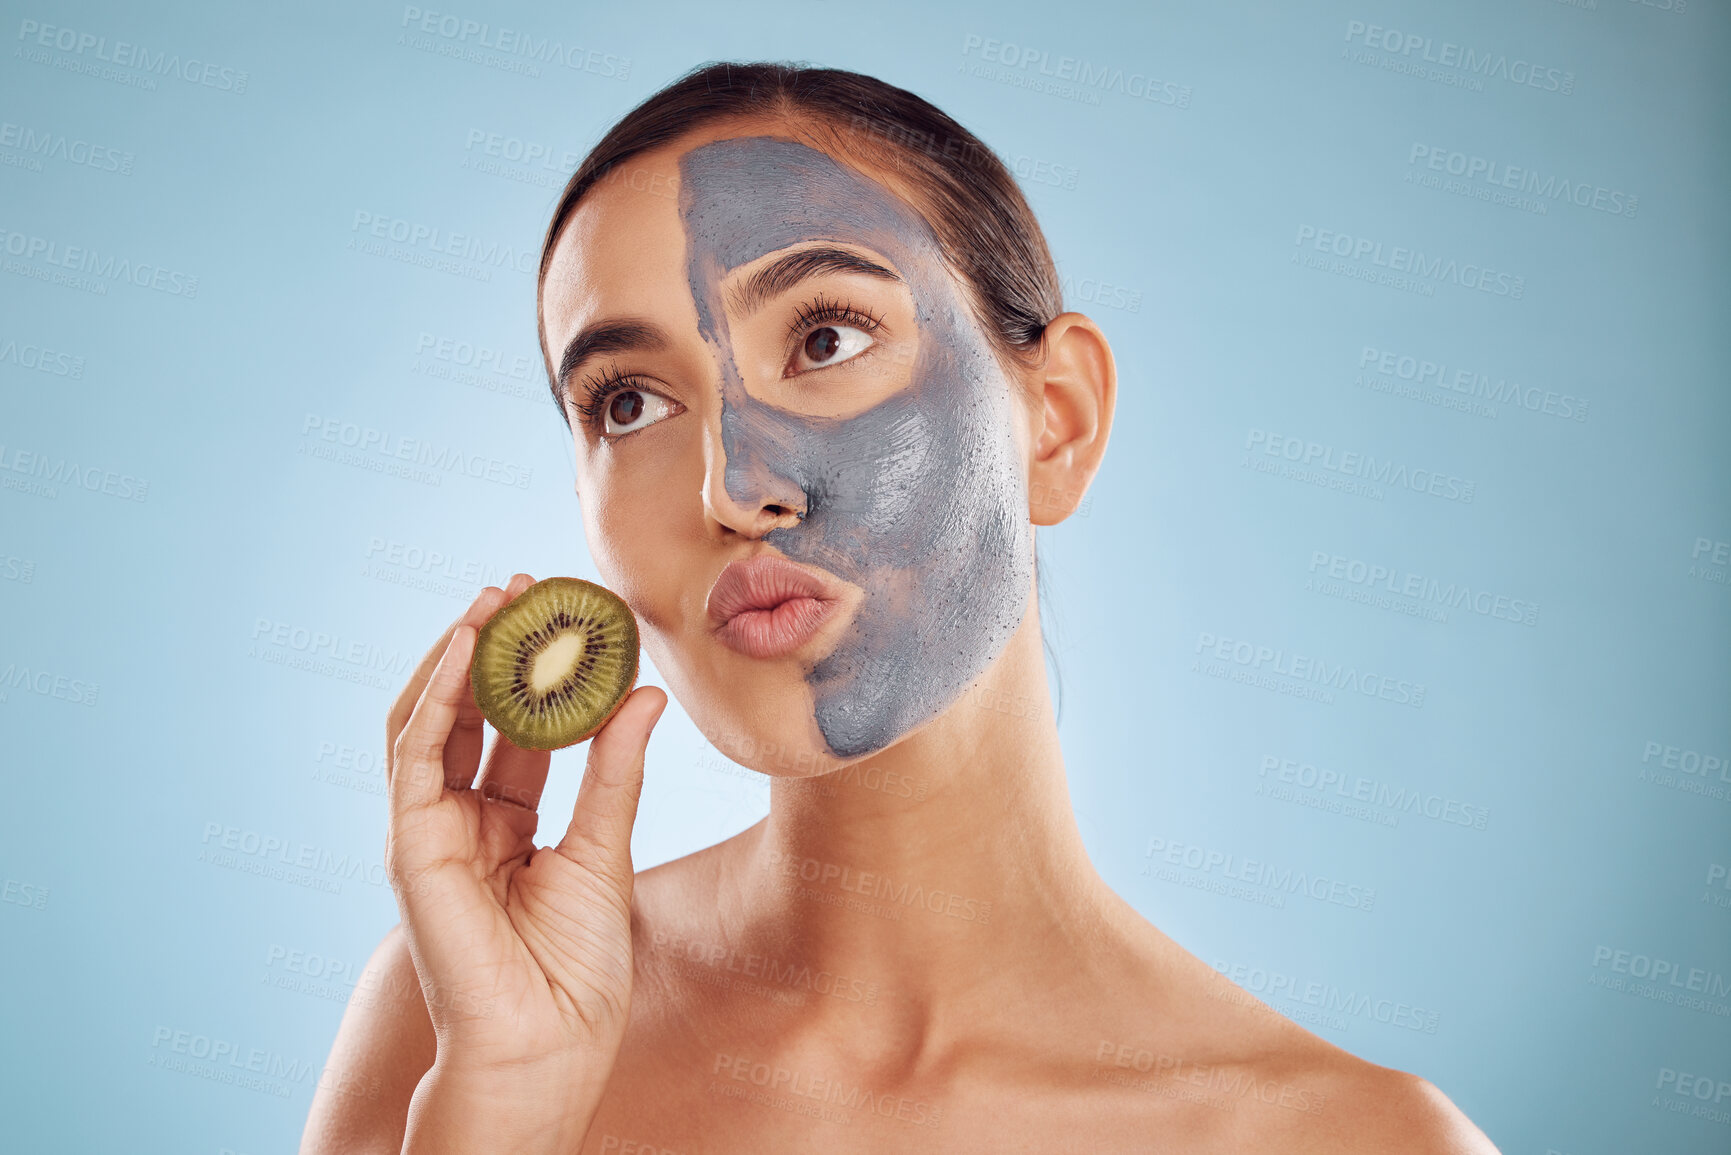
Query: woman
x=810, y=344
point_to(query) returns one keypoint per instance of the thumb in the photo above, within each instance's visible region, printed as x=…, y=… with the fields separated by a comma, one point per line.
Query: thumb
x=599, y=837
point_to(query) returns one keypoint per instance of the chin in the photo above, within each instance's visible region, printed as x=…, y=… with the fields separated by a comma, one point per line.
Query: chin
x=760, y=714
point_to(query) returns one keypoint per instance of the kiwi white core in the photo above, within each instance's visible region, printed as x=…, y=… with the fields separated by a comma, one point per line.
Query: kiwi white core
x=555, y=663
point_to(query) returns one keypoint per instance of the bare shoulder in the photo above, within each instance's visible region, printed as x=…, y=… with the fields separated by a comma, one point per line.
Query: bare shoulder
x=1379, y=1109
x=1257, y=1081
x=383, y=1047
x=1344, y=1105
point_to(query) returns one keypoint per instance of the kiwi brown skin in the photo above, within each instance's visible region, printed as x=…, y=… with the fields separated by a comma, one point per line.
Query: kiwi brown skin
x=489, y=639
x=602, y=724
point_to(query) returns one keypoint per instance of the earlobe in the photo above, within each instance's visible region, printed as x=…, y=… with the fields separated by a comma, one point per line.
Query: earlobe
x=1078, y=388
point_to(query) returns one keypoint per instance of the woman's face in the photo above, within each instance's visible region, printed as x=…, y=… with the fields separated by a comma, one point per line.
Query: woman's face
x=762, y=353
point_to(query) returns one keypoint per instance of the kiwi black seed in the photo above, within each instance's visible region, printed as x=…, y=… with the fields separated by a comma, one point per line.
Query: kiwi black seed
x=555, y=662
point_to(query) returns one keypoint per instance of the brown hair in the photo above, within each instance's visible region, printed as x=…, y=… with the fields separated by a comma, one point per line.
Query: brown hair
x=985, y=229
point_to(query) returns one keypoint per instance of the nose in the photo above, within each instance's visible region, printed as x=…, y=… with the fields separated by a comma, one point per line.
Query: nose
x=743, y=490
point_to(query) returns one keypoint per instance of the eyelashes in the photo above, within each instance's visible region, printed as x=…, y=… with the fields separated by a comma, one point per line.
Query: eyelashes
x=823, y=310
x=598, y=389
x=592, y=392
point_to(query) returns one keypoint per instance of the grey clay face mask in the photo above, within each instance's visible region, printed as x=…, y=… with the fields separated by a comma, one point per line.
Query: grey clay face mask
x=919, y=500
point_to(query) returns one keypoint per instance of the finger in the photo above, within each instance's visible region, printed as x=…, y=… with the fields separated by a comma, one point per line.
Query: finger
x=515, y=775
x=511, y=791
x=599, y=836
x=478, y=612
x=419, y=753
x=462, y=756
x=463, y=748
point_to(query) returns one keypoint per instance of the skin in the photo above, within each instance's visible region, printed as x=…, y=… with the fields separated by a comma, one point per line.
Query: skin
x=882, y=492
x=551, y=999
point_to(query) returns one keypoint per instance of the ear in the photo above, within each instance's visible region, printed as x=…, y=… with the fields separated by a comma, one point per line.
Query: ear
x=1078, y=387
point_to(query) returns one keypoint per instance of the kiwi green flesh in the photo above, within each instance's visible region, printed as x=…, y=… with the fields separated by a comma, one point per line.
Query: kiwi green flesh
x=554, y=663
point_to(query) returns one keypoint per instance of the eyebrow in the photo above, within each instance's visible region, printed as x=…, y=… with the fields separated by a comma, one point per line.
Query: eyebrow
x=785, y=272
x=608, y=337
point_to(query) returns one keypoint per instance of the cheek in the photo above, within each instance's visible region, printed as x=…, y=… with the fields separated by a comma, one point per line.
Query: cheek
x=635, y=507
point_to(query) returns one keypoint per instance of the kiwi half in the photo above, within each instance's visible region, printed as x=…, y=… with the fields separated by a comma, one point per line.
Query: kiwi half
x=555, y=662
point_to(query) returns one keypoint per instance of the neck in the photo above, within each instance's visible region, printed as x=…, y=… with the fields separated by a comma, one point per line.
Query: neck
x=947, y=859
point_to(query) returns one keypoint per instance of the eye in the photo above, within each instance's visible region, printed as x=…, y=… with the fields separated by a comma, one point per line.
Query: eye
x=830, y=345
x=629, y=410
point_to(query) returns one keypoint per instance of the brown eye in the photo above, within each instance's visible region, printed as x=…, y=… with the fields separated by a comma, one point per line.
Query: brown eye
x=822, y=343
x=628, y=410
x=830, y=345
x=626, y=407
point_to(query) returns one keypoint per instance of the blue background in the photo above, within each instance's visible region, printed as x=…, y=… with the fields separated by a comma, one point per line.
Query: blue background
x=206, y=613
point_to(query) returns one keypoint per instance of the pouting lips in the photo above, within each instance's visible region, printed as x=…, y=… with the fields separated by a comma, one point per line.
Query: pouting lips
x=767, y=607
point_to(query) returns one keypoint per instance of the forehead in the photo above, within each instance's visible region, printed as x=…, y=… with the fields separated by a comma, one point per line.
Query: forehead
x=620, y=250
x=747, y=196
x=732, y=196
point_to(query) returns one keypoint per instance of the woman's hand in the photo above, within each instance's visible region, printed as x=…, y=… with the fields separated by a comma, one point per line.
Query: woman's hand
x=523, y=954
